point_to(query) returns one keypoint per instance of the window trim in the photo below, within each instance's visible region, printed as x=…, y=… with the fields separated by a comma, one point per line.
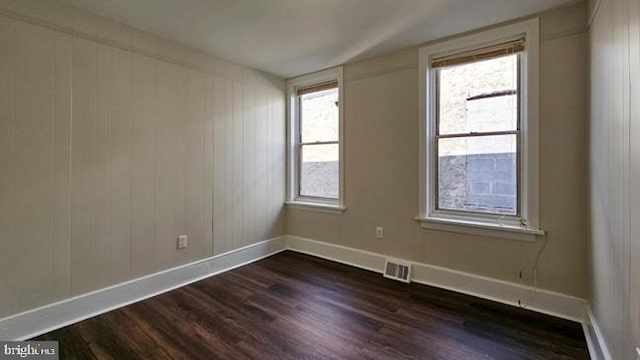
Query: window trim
x=526, y=227
x=294, y=200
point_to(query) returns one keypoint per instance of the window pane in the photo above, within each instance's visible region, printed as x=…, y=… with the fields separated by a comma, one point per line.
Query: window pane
x=479, y=97
x=319, y=116
x=478, y=174
x=320, y=171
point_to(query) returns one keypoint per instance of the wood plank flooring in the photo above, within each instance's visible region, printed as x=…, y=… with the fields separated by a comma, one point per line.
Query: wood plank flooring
x=294, y=306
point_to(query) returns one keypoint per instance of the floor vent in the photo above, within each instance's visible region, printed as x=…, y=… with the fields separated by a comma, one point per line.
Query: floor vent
x=398, y=271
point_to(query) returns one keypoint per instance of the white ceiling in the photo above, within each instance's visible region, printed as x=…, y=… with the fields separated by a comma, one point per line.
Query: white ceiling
x=293, y=37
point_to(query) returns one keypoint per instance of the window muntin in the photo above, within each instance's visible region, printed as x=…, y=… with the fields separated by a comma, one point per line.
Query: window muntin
x=477, y=137
x=318, y=142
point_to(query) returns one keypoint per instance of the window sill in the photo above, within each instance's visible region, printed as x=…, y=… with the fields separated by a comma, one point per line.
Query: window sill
x=510, y=232
x=324, y=208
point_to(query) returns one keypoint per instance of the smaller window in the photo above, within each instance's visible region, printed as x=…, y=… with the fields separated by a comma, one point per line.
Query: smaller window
x=315, y=133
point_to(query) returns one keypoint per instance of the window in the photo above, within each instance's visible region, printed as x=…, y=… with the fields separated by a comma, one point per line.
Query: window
x=315, y=149
x=476, y=135
x=479, y=133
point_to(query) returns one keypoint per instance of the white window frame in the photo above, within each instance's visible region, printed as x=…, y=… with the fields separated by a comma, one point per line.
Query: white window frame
x=526, y=227
x=294, y=200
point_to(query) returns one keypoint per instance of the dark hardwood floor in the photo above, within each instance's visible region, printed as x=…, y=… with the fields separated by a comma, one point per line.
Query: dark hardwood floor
x=293, y=306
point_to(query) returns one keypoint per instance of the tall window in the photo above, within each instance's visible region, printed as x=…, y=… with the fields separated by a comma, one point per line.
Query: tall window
x=479, y=132
x=315, y=122
x=318, y=141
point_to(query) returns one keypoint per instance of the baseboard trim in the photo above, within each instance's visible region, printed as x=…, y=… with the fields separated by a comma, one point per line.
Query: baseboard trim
x=543, y=301
x=598, y=349
x=41, y=320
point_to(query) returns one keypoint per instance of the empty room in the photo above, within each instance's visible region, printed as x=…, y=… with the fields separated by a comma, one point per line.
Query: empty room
x=320, y=179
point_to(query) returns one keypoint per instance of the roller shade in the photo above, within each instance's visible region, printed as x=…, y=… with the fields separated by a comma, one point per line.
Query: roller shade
x=317, y=87
x=486, y=53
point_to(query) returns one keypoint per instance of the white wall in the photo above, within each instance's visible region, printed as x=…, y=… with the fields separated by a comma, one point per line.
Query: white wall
x=381, y=169
x=615, y=173
x=113, y=142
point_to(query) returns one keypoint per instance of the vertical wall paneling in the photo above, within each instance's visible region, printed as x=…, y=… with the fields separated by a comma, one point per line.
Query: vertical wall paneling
x=166, y=102
x=634, y=185
x=180, y=114
x=237, y=162
x=103, y=169
x=32, y=141
x=143, y=159
x=279, y=148
x=212, y=110
x=230, y=166
x=217, y=95
x=247, y=152
x=614, y=160
x=195, y=167
x=121, y=143
x=107, y=155
x=6, y=164
x=623, y=38
x=83, y=167
x=61, y=165
x=261, y=169
x=249, y=166
x=271, y=163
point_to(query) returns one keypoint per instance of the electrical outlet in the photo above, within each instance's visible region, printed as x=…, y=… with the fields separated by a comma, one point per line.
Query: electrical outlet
x=379, y=232
x=182, y=242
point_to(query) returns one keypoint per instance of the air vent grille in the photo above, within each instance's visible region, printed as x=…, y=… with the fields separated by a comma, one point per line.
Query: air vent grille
x=397, y=270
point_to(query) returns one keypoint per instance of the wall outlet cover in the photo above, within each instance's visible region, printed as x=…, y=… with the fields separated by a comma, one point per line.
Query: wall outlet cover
x=182, y=242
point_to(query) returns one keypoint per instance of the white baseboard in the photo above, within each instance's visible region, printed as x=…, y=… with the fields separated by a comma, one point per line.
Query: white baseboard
x=54, y=316
x=543, y=301
x=598, y=348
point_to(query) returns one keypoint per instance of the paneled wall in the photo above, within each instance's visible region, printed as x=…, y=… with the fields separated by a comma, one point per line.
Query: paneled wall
x=381, y=169
x=615, y=173
x=113, y=143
